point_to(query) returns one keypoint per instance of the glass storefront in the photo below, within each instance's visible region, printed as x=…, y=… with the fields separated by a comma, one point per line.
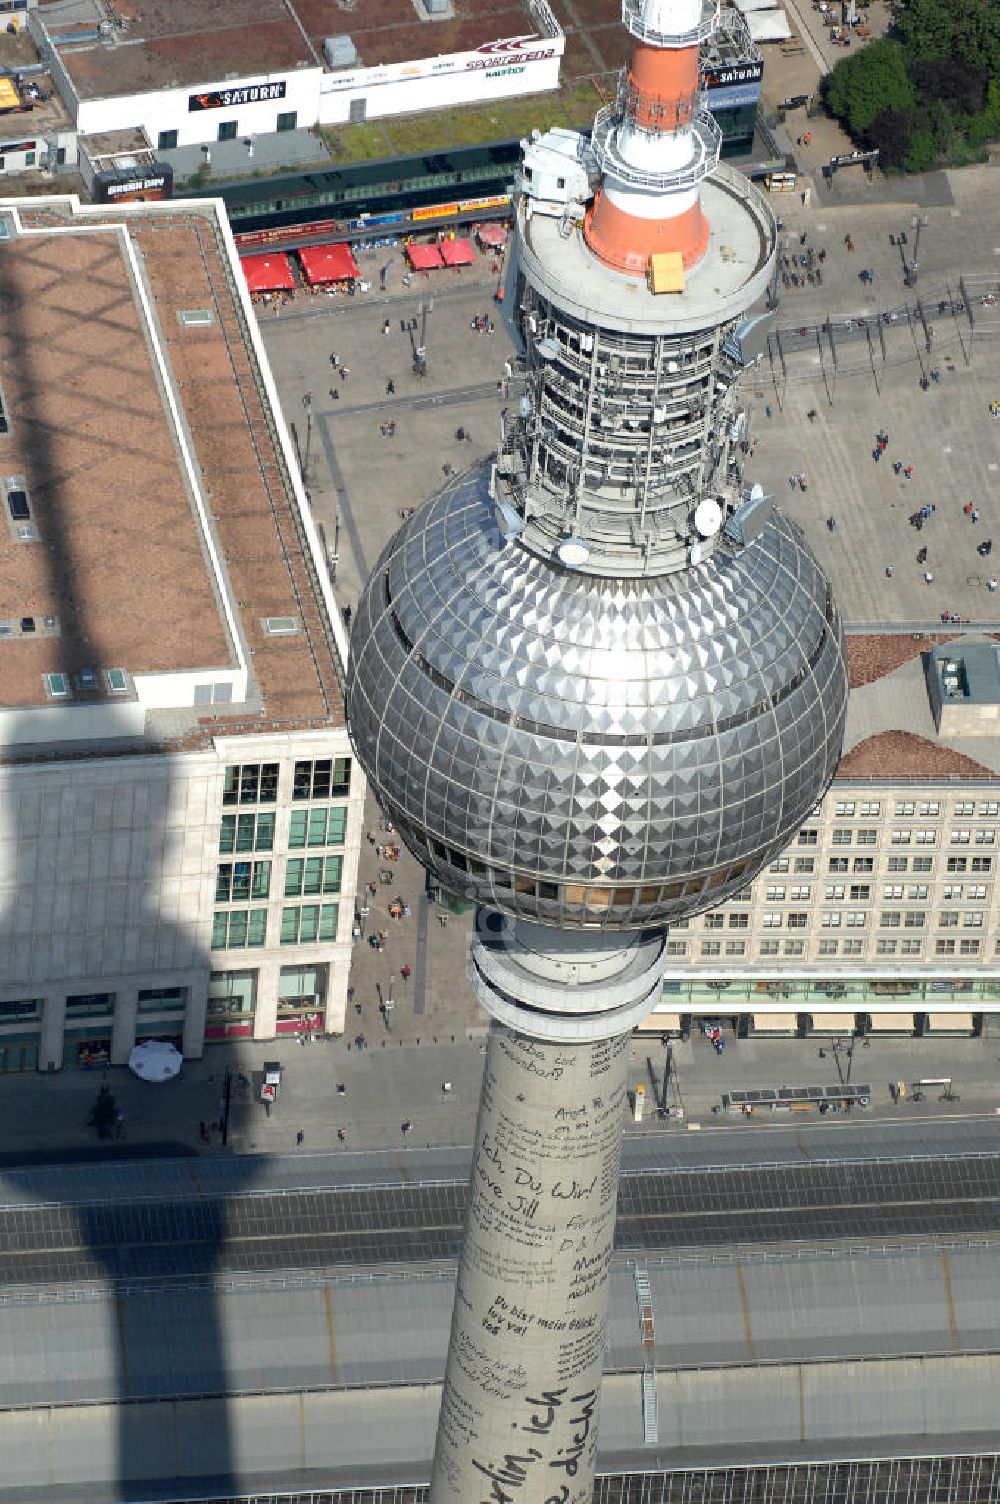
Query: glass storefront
x=18, y=1052
x=89, y=1048
x=820, y=991
x=232, y=1004
x=302, y=999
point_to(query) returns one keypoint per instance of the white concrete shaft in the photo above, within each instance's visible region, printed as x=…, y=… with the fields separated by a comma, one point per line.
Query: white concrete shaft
x=518, y=1415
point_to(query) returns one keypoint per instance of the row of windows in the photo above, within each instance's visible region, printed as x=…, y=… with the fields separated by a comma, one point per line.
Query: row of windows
x=322, y=826
x=236, y=929
x=228, y=130
x=847, y=809
x=901, y=836
x=257, y=783
x=826, y=947
x=238, y=882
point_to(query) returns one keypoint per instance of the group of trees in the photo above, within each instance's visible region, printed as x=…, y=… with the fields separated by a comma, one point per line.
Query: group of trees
x=929, y=92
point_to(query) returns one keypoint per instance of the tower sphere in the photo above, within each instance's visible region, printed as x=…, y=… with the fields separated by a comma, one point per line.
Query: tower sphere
x=585, y=750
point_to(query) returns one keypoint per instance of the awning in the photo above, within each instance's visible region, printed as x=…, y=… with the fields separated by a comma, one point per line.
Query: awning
x=424, y=258
x=768, y=25
x=328, y=263
x=270, y=273
x=659, y=1023
x=457, y=253
x=666, y=272
x=950, y=1023
x=493, y=235
x=892, y=1023
x=774, y=1023
x=838, y=1023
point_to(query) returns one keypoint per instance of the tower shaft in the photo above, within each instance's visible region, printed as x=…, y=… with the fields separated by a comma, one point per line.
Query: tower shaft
x=518, y=1421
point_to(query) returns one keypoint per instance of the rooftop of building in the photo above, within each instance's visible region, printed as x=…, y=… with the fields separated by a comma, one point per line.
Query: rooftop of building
x=165, y=44
x=30, y=108
x=152, y=526
x=891, y=732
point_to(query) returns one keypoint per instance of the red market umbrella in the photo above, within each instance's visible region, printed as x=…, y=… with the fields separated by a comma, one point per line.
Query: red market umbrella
x=328, y=263
x=457, y=253
x=424, y=258
x=270, y=273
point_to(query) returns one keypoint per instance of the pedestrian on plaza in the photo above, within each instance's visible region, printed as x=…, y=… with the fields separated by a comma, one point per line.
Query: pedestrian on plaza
x=908, y=471
x=928, y=577
x=341, y=1134
x=769, y=412
x=991, y=586
x=334, y=394
x=404, y=1128
x=812, y=415
x=390, y=388
x=386, y=327
x=300, y=1139
x=831, y=524
x=807, y=138
x=897, y=467
x=921, y=556
x=888, y=571
x=405, y=972
x=974, y=514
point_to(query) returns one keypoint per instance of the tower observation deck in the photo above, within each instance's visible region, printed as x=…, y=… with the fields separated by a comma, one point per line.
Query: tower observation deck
x=597, y=683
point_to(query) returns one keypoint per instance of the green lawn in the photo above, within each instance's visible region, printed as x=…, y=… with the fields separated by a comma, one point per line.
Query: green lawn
x=467, y=125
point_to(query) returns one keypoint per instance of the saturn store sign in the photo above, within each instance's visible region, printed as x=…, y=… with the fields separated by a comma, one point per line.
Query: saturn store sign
x=227, y=99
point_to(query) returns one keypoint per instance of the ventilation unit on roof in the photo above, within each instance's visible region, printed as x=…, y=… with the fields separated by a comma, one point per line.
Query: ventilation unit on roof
x=340, y=52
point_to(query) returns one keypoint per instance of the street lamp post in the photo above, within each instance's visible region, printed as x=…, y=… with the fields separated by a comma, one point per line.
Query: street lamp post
x=307, y=404
x=918, y=222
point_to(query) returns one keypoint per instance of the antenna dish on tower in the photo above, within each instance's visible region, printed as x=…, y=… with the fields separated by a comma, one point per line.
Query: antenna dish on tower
x=708, y=517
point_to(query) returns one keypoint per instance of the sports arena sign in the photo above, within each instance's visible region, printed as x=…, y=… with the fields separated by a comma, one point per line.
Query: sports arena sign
x=492, y=55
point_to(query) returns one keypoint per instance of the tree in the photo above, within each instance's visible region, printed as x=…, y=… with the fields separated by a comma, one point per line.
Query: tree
x=966, y=29
x=986, y=126
x=952, y=82
x=869, y=82
x=922, y=155
x=892, y=132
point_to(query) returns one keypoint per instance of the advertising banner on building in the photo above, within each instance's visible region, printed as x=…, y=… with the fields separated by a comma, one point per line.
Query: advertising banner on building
x=240, y=94
x=507, y=54
x=136, y=185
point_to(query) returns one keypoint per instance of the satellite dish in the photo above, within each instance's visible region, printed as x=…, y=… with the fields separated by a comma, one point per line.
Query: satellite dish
x=573, y=552
x=708, y=517
x=694, y=554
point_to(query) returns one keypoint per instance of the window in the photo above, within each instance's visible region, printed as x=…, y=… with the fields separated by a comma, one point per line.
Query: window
x=251, y=783
x=776, y=894
x=898, y=863
x=831, y=919
x=930, y=810
x=923, y=864
x=972, y=919
x=163, y=999
x=794, y=948
x=166, y=140
x=926, y=837
x=310, y=922
x=990, y=810
x=845, y=809
x=246, y=833
x=90, y=1005
x=828, y=947
x=911, y=947
x=803, y=864
x=961, y=837
x=714, y=921
x=227, y=130
x=951, y=890
x=968, y=947
x=944, y=947
x=871, y=811
x=853, y=948
x=904, y=807
x=801, y=892
x=838, y=864
x=798, y=921
x=56, y=686
x=863, y=864
x=711, y=947
x=977, y=890
x=767, y=948
x=964, y=807
x=856, y=919
x=885, y=947
x=287, y=120
x=948, y=919
x=958, y=863
x=326, y=778
x=867, y=837
x=235, y=928
x=843, y=837
x=735, y=947
x=900, y=838
x=312, y=874
x=892, y=890
x=917, y=890
x=739, y=921
x=677, y=948
x=237, y=882
x=890, y=919
x=781, y=865
x=981, y=864
x=986, y=837
x=835, y=890
x=18, y=1008
x=808, y=837
x=915, y=919
x=771, y=919
x=116, y=681
x=317, y=827
x=860, y=892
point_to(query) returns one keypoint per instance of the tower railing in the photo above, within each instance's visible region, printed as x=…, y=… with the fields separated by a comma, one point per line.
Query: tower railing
x=705, y=135
x=638, y=26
